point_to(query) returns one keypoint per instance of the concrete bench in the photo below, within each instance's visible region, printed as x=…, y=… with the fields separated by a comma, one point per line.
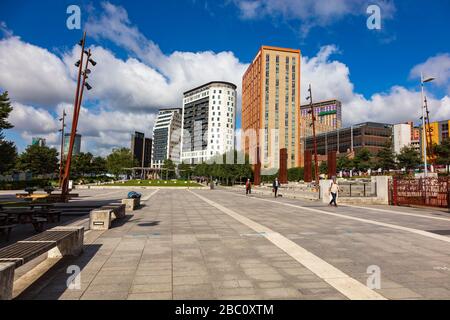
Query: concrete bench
x=100, y=219
x=131, y=204
x=57, y=242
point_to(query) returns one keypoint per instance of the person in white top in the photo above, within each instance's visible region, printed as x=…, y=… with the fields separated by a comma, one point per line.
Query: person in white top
x=334, y=189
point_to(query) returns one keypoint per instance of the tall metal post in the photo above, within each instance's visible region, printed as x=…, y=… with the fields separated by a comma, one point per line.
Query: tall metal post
x=429, y=130
x=61, y=162
x=316, y=166
x=81, y=83
x=424, y=133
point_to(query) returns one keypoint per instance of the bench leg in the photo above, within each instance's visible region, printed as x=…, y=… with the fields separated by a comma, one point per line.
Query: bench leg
x=8, y=233
x=38, y=226
x=72, y=246
x=100, y=219
x=6, y=280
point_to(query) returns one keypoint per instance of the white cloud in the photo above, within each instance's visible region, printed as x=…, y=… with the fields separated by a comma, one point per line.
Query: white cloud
x=311, y=13
x=330, y=79
x=28, y=118
x=128, y=91
x=179, y=71
x=437, y=67
x=32, y=74
x=101, y=130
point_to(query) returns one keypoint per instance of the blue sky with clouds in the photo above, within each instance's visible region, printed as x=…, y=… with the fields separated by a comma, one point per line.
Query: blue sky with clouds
x=149, y=52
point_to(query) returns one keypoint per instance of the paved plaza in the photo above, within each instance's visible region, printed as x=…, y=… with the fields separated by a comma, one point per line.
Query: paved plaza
x=221, y=244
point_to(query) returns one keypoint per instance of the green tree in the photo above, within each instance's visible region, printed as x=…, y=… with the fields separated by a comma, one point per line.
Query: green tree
x=8, y=151
x=295, y=174
x=38, y=160
x=168, y=169
x=323, y=167
x=408, y=158
x=98, y=165
x=119, y=160
x=184, y=170
x=5, y=110
x=386, y=157
x=442, y=152
x=362, y=160
x=344, y=163
x=82, y=164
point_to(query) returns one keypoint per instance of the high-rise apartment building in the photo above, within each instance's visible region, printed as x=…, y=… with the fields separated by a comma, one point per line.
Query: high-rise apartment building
x=438, y=130
x=166, y=137
x=401, y=136
x=76, y=144
x=271, y=106
x=328, y=116
x=209, y=116
x=141, y=148
x=38, y=141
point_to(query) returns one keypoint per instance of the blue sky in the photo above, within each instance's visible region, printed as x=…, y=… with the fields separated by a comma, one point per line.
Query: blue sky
x=367, y=68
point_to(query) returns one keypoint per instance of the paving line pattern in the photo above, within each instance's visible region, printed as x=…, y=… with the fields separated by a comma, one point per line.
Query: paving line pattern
x=397, y=212
x=342, y=282
x=383, y=224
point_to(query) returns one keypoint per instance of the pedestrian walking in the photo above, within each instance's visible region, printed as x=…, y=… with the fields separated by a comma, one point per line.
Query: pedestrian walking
x=248, y=187
x=334, y=189
x=275, y=185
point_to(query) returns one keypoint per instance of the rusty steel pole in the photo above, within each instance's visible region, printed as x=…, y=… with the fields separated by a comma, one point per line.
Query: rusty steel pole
x=313, y=117
x=61, y=162
x=65, y=180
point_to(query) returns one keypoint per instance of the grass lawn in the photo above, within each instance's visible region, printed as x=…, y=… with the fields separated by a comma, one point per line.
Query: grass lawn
x=155, y=183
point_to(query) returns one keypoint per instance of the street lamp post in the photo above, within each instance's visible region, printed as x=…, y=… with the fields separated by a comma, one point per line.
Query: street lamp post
x=83, y=74
x=61, y=162
x=313, y=118
x=424, y=130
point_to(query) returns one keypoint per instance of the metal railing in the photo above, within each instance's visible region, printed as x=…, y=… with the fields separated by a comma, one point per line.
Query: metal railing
x=358, y=189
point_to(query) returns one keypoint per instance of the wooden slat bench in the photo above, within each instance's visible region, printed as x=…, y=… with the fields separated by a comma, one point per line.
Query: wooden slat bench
x=57, y=242
x=101, y=218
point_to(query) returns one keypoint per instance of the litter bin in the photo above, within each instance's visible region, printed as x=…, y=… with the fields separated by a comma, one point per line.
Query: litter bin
x=211, y=185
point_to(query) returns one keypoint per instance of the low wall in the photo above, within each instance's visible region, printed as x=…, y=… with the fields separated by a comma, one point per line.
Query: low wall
x=380, y=183
x=284, y=191
x=95, y=187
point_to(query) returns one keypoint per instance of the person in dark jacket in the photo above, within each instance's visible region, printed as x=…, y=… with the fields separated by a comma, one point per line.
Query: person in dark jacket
x=248, y=187
x=275, y=185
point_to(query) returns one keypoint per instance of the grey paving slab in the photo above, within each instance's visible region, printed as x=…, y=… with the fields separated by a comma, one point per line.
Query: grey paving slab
x=180, y=247
x=407, y=261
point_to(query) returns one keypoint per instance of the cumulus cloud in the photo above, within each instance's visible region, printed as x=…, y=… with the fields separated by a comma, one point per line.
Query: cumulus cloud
x=33, y=74
x=330, y=79
x=310, y=13
x=437, y=67
x=178, y=71
x=128, y=91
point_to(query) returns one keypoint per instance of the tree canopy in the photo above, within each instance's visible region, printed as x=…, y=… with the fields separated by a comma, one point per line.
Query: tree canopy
x=220, y=168
x=86, y=164
x=408, y=158
x=119, y=160
x=38, y=160
x=442, y=152
x=386, y=157
x=8, y=151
